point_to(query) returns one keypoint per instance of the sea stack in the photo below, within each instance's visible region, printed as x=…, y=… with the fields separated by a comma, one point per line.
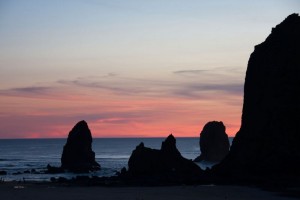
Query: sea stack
x=268, y=142
x=77, y=154
x=166, y=164
x=214, y=143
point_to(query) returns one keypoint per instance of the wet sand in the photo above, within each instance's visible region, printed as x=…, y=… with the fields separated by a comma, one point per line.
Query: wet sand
x=24, y=191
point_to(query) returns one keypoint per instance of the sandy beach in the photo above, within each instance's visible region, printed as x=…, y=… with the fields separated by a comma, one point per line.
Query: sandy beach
x=24, y=191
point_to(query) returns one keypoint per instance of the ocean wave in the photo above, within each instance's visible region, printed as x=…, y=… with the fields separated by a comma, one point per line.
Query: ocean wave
x=112, y=157
x=14, y=159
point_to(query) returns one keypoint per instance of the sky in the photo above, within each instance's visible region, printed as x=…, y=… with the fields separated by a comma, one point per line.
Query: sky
x=129, y=68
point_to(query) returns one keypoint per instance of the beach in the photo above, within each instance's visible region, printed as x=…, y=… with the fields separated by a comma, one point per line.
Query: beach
x=49, y=191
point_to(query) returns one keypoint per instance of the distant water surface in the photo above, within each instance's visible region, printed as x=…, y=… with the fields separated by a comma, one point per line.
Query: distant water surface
x=23, y=155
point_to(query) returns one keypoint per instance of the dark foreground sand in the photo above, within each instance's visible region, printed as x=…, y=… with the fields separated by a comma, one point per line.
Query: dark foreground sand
x=21, y=191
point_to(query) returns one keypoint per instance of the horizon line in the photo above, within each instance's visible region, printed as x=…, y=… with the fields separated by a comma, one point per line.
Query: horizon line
x=100, y=138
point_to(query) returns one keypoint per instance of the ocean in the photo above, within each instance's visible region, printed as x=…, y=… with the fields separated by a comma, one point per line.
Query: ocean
x=26, y=159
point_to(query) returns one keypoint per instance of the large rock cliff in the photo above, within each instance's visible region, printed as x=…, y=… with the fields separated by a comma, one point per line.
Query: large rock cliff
x=268, y=142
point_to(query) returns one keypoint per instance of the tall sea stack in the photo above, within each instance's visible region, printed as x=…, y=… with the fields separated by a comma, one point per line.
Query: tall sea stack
x=77, y=155
x=268, y=142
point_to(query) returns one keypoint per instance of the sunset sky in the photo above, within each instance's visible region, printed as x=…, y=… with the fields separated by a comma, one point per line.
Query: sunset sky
x=130, y=68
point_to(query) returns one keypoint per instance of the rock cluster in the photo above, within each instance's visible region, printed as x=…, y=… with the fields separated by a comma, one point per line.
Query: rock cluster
x=214, y=143
x=166, y=163
x=78, y=155
x=268, y=142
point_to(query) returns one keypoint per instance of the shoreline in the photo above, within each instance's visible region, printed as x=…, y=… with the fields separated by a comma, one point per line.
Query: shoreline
x=45, y=190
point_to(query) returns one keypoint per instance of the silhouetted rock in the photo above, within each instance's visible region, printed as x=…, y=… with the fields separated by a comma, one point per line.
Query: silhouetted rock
x=77, y=154
x=3, y=173
x=214, y=143
x=54, y=170
x=268, y=142
x=164, y=164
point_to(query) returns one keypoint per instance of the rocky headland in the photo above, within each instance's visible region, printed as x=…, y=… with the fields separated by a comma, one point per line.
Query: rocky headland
x=267, y=145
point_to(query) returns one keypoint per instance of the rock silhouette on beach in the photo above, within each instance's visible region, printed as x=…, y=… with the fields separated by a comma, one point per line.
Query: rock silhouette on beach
x=268, y=142
x=78, y=155
x=214, y=143
x=2, y=172
x=166, y=163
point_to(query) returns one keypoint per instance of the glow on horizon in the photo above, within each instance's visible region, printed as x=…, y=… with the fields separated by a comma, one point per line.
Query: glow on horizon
x=129, y=68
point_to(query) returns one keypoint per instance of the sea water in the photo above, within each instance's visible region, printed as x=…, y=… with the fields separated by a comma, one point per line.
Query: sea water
x=26, y=159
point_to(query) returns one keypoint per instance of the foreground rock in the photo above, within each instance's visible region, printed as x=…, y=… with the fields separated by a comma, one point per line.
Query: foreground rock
x=214, y=143
x=267, y=144
x=166, y=164
x=77, y=154
x=2, y=172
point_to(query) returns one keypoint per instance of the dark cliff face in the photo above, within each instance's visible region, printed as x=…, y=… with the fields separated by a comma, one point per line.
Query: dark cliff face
x=214, y=143
x=77, y=153
x=268, y=141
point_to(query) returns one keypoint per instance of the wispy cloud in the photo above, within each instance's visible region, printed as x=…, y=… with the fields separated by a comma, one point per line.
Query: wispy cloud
x=209, y=82
x=33, y=90
x=121, y=85
x=206, y=85
x=207, y=91
x=27, y=91
x=181, y=88
x=215, y=72
x=190, y=72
